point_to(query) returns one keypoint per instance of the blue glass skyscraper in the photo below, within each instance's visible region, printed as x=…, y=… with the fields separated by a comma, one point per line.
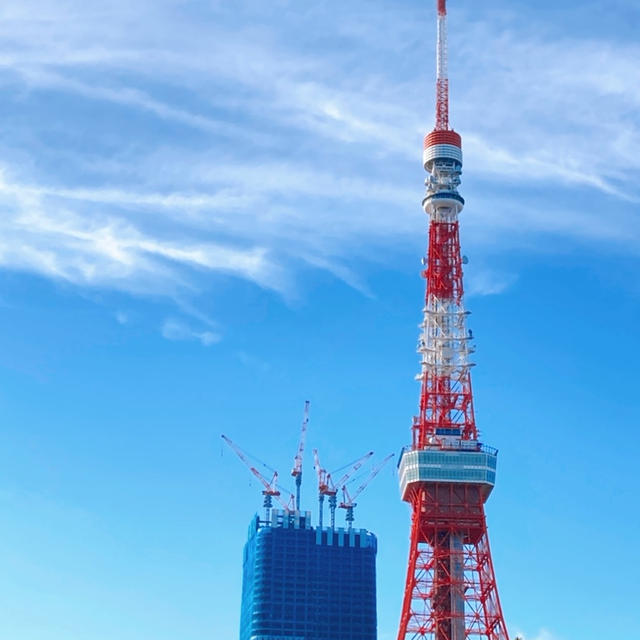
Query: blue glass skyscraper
x=306, y=583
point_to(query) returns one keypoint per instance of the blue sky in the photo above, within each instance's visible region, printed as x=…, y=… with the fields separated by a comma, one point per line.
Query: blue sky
x=209, y=212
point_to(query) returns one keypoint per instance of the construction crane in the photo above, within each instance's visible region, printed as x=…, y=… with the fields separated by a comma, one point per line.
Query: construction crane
x=322, y=485
x=296, y=472
x=348, y=501
x=327, y=487
x=271, y=488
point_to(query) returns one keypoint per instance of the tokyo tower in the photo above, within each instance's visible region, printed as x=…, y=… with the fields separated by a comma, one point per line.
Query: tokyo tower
x=447, y=474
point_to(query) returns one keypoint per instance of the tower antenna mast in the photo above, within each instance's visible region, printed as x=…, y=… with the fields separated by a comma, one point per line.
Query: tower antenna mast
x=442, y=71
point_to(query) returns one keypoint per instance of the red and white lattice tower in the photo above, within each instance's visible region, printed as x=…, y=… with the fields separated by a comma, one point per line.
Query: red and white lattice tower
x=446, y=475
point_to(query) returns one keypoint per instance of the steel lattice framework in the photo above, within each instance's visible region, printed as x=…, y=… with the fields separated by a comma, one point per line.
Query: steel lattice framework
x=447, y=474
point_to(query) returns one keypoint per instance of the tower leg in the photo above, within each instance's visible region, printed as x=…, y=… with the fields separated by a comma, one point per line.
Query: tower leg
x=412, y=616
x=450, y=591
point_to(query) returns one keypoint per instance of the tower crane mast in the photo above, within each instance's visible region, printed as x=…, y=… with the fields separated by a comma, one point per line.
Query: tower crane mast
x=322, y=485
x=296, y=472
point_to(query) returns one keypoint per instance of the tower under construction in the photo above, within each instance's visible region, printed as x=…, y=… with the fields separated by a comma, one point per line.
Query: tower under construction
x=302, y=582
x=447, y=474
x=307, y=583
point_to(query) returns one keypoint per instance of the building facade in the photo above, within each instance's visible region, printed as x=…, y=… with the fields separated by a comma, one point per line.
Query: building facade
x=306, y=583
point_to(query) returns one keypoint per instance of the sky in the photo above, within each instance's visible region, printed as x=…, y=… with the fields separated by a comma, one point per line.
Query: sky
x=210, y=213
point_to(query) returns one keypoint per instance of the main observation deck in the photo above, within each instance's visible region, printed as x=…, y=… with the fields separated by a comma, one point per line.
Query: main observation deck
x=460, y=462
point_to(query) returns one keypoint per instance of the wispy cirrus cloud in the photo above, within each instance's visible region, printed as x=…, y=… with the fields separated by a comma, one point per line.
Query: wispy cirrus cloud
x=108, y=250
x=151, y=145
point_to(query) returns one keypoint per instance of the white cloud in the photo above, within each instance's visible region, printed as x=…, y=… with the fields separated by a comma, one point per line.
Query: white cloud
x=252, y=154
x=173, y=329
